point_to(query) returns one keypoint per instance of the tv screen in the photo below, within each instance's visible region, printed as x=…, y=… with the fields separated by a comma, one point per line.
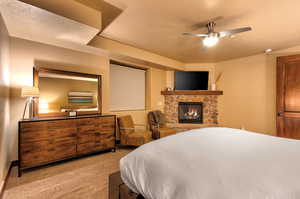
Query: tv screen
x=188, y=80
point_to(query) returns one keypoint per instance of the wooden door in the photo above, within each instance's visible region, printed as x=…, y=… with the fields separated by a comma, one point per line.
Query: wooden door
x=288, y=96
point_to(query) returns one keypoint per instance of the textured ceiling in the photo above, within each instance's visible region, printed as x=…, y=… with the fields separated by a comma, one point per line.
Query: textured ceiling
x=43, y=23
x=157, y=26
x=29, y=22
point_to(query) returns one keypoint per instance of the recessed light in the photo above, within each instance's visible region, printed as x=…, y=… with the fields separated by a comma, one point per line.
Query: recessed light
x=268, y=50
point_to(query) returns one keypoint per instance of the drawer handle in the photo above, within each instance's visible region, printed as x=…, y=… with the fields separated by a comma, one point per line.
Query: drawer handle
x=51, y=150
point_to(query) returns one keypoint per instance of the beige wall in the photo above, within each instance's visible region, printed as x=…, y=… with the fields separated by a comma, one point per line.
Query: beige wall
x=4, y=103
x=158, y=83
x=249, y=86
x=129, y=52
x=249, y=93
x=26, y=54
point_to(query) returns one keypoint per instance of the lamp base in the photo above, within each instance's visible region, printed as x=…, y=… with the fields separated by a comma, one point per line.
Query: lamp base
x=29, y=102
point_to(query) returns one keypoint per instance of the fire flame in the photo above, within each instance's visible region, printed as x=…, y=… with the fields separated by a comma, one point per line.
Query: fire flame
x=192, y=112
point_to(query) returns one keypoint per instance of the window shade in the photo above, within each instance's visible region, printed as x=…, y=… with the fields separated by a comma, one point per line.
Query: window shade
x=127, y=88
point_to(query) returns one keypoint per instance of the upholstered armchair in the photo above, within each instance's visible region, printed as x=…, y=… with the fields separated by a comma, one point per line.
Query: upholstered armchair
x=158, y=125
x=129, y=136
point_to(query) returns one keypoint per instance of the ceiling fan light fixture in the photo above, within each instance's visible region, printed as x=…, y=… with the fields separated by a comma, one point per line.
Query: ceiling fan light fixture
x=210, y=41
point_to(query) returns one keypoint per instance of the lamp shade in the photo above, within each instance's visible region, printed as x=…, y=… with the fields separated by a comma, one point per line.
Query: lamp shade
x=30, y=92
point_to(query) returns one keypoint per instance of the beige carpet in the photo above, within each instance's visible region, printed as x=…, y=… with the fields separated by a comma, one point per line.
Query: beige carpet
x=85, y=178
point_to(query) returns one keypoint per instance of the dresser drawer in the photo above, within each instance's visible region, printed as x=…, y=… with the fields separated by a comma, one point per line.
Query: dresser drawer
x=84, y=148
x=107, y=131
x=87, y=122
x=61, y=124
x=108, y=140
x=107, y=124
x=87, y=129
x=34, y=159
x=35, y=153
x=39, y=131
x=84, y=138
x=30, y=126
x=34, y=147
x=62, y=151
x=63, y=132
x=109, y=144
x=33, y=131
x=107, y=119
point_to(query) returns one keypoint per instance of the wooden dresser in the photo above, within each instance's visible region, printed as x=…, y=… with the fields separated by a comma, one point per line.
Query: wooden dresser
x=45, y=141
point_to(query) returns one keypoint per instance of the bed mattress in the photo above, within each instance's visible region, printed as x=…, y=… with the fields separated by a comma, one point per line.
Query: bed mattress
x=215, y=163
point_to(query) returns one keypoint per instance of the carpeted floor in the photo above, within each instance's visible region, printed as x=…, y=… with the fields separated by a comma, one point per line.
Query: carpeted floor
x=85, y=178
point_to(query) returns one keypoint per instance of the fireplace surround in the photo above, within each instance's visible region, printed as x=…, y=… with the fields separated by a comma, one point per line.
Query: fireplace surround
x=208, y=99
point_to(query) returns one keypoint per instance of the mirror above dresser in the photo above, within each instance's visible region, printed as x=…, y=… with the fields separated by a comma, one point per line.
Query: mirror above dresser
x=62, y=92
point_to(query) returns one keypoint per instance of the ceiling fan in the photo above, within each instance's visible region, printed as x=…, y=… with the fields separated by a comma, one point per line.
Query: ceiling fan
x=211, y=38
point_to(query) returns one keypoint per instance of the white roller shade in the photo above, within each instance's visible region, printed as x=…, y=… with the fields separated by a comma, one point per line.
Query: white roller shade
x=127, y=88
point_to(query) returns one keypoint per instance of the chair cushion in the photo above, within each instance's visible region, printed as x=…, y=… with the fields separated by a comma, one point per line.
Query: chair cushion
x=126, y=124
x=163, y=132
x=137, y=138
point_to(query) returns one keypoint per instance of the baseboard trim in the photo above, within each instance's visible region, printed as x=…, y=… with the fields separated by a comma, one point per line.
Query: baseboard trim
x=3, y=183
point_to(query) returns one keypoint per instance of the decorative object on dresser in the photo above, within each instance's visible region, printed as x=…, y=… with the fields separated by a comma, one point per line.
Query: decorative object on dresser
x=129, y=136
x=30, y=93
x=46, y=141
x=157, y=123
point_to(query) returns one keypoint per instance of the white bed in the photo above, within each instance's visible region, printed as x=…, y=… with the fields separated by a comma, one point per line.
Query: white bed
x=215, y=163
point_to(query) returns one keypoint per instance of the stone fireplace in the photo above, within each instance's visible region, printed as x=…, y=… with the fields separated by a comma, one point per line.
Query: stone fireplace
x=191, y=108
x=190, y=112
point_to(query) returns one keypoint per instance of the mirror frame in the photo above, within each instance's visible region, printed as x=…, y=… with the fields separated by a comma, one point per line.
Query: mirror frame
x=37, y=70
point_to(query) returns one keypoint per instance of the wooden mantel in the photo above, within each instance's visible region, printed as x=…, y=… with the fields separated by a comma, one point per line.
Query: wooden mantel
x=192, y=92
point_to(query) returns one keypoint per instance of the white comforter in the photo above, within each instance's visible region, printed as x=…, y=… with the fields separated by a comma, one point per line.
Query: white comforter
x=215, y=163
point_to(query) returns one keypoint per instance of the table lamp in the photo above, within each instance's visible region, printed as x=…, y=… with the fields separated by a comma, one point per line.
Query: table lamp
x=30, y=93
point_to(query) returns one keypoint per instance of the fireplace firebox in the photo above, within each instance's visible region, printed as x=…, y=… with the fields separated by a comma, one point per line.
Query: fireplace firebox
x=190, y=112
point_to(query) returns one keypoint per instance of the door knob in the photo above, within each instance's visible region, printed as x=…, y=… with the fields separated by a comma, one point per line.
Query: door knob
x=280, y=114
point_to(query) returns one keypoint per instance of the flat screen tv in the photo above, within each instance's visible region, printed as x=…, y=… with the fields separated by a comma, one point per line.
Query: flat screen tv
x=191, y=80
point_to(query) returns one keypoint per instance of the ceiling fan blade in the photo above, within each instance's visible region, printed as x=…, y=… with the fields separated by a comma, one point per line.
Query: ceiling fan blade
x=234, y=31
x=195, y=34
